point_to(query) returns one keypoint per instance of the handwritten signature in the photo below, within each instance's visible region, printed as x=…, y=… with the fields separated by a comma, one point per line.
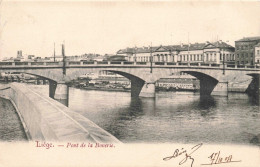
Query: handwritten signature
x=214, y=158
x=187, y=155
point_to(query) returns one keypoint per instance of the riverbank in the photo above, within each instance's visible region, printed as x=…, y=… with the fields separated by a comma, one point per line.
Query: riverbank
x=11, y=128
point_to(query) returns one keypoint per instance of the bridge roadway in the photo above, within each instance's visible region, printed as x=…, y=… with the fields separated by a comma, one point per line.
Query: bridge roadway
x=214, y=78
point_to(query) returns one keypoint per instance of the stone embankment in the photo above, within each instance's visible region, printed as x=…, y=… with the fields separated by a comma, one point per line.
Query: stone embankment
x=46, y=119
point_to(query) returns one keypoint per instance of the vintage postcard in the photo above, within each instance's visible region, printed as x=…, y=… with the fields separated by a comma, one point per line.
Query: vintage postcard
x=129, y=83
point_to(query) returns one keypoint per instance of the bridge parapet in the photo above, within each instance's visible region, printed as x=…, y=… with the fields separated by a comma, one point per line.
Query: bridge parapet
x=123, y=64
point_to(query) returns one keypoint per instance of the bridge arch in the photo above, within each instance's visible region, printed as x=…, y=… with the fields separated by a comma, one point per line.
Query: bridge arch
x=136, y=82
x=54, y=74
x=207, y=82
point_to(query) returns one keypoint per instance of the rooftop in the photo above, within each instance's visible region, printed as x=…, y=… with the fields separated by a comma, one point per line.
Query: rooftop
x=182, y=47
x=249, y=39
x=258, y=44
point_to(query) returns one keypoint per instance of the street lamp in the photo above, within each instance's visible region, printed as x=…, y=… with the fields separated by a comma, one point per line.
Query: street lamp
x=151, y=60
x=64, y=61
x=135, y=53
x=223, y=61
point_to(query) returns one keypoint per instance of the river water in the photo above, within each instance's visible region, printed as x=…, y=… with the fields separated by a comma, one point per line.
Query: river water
x=171, y=116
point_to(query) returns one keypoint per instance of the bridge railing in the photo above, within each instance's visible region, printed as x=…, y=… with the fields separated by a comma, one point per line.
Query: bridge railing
x=249, y=66
x=37, y=63
x=5, y=63
x=74, y=63
x=141, y=63
x=159, y=63
x=126, y=63
x=52, y=63
x=172, y=63
x=241, y=66
x=194, y=64
x=87, y=62
x=231, y=65
x=204, y=64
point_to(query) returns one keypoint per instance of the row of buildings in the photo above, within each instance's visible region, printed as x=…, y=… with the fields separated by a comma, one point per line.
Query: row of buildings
x=245, y=52
x=32, y=58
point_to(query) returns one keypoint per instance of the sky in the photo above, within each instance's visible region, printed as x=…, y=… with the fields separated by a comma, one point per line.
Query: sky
x=106, y=27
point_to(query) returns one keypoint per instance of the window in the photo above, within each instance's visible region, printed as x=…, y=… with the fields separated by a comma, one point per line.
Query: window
x=258, y=52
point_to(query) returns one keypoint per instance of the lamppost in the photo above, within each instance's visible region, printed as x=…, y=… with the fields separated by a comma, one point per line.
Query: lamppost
x=171, y=55
x=64, y=62
x=151, y=60
x=135, y=50
x=223, y=61
x=54, y=52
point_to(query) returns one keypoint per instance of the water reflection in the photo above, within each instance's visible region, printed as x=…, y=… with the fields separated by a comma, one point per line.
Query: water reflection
x=171, y=116
x=206, y=103
x=254, y=99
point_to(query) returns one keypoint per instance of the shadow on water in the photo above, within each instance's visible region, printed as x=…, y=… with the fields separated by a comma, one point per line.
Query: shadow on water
x=134, y=110
x=205, y=105
x=254, y=100
x=206, y=102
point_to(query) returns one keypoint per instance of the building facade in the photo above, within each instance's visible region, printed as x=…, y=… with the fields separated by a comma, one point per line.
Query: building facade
x=199, y=52
x=245, y=50
x=257, y=53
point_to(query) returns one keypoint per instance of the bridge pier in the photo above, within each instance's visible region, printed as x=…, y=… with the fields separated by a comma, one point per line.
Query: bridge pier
x=136, y=86
x=62, y=94
x=44, y=82
x=6, y=79
x=148, y=90
x=141, y=88
x=52, y=88
x=37, y=81
x=254, y=88
x=207, y=85
x=18, y=79
x=221, y=89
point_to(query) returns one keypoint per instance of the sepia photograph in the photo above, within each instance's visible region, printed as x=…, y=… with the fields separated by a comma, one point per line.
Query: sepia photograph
x=129, y=83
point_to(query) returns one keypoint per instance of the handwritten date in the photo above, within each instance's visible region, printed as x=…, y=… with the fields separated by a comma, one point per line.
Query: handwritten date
x=216, y=158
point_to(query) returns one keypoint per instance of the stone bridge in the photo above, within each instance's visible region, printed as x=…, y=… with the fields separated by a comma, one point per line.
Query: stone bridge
x=143, y=75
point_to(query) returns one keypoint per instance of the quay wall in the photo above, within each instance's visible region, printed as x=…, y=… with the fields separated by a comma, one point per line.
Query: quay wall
x=46, y=119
